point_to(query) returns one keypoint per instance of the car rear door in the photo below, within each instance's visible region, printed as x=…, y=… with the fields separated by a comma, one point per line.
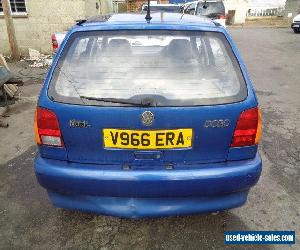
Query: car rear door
x=212, y=124
x=212, y=127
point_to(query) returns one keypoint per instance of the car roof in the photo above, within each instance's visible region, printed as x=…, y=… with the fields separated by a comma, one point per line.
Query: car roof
x=159, y=18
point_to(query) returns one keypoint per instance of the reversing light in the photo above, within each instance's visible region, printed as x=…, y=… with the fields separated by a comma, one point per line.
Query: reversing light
x=46, y=128
x=248, y=128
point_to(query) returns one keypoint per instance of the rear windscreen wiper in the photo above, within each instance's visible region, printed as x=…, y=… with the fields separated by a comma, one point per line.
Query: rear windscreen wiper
x=116, y=100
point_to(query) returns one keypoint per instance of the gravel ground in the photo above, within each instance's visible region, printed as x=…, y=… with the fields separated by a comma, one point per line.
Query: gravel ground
x=29, y=221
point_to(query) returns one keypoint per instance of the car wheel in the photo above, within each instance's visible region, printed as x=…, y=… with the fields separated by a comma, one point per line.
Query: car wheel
x=296, y=30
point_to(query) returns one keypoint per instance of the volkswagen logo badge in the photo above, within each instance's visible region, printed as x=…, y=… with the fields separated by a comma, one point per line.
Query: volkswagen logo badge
x=147, y=118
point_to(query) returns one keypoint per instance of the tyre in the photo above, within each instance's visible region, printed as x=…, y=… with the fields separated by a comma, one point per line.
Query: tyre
x=296, y=30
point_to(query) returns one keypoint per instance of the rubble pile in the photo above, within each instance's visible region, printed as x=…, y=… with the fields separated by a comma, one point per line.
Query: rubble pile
x=38, y=59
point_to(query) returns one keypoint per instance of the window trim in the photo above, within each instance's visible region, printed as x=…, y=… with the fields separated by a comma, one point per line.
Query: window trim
x=55, y=97
x=16, y=13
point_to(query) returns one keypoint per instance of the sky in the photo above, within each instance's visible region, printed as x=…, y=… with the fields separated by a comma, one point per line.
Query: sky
x=269, y=3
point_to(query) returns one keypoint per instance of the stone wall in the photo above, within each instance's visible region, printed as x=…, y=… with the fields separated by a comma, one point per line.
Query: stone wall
x=43, y=19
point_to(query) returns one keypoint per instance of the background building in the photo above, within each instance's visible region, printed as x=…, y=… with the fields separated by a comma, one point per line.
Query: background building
x=239, y=7
x=292, y=6
x=36, y=20
x=259, y=8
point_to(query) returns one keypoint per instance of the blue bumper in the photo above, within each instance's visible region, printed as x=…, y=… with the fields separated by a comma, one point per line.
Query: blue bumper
x=148, y=193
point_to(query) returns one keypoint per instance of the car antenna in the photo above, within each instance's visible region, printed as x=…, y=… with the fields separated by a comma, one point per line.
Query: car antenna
x=205, y=5
x=148, y=17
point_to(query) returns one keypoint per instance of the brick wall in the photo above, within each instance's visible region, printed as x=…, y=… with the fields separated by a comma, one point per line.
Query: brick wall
x=135, y=6
x=43, y=19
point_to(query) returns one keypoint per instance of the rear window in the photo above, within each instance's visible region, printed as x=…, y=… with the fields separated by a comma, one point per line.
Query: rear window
x=190, y=9
x=165, y=68
x=210, y=9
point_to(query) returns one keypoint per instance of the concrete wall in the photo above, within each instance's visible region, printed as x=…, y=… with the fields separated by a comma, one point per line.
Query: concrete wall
x=240, y=7
x=105, y=7
x=43, y=19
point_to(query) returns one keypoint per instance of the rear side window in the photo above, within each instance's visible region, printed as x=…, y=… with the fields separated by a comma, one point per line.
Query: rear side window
x=170, y=68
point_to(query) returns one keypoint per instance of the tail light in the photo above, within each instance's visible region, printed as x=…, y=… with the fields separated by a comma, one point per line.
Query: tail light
x=221, y=17
x=248, y=129
x=54, y=42
x=46, y=128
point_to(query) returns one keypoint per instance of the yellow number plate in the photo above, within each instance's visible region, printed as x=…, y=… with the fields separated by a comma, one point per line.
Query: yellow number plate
x=147, y=139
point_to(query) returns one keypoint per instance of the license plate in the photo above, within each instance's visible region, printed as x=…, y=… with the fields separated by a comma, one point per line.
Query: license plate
x=147, y=139
x=296, y=25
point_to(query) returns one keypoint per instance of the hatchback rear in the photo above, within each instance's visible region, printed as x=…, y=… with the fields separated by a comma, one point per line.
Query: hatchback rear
x=142, y=120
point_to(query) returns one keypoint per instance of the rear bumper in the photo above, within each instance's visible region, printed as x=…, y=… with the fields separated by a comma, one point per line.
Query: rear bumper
x=147, y=193
x=148, y=207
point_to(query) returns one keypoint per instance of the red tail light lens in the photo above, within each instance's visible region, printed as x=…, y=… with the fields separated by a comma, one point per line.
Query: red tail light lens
x=47, y=131
x=221, y=17
x=54, y=42
x=248, y=129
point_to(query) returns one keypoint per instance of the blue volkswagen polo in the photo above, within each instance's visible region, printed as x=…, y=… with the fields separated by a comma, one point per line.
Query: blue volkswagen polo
x=144, y=118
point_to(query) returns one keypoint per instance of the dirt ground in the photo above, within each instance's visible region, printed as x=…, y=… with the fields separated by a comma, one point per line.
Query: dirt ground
x=275, y=22
x=29, y=221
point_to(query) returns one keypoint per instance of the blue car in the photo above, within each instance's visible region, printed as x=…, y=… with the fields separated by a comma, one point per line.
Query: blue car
x=144, y=118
